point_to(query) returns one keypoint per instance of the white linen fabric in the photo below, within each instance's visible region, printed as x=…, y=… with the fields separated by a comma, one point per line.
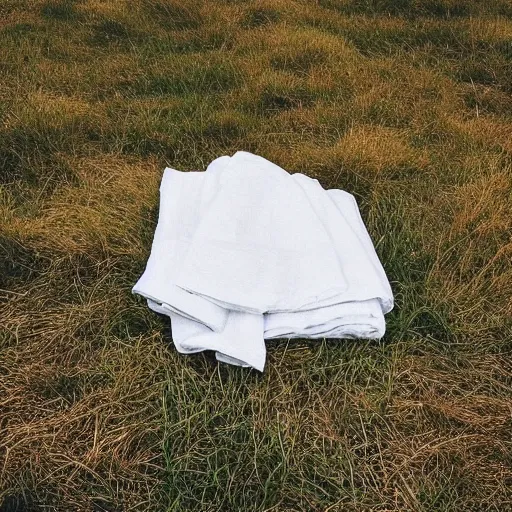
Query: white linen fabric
x=245, y=252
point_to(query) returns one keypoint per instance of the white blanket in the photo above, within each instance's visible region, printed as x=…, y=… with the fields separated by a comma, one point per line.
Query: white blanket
x=245, y=252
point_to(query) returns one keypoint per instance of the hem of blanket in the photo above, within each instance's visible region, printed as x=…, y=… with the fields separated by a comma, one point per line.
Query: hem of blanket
x=255, y=359
x=186, y=304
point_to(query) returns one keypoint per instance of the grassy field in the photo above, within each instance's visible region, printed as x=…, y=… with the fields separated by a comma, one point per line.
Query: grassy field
x=407, y=104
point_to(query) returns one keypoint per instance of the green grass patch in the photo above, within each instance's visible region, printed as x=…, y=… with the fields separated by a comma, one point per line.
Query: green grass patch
x=174, y=15
x=209, y=78
x=111, y=31
x=60, y=11
x=444, y=9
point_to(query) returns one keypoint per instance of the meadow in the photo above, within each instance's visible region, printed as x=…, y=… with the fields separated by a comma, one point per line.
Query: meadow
x=407, y=104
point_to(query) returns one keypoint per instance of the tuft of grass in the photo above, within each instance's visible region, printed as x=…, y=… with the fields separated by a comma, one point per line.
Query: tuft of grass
x=199, y=78
x=260, y=16
x=301, y=62
x=175, y=15
x=280, y=92
x=19, y=263
x=274, y=100
x=61, y=11
x=380, y=150
x=113, y=32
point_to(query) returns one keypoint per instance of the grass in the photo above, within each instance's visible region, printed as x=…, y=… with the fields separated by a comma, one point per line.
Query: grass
x=405, y=104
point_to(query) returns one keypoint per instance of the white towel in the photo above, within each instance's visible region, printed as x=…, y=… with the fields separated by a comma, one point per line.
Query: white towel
x=259, y=246
x=245, y=252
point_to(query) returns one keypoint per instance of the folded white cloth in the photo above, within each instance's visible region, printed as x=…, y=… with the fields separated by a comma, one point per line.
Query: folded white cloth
x=245, y=252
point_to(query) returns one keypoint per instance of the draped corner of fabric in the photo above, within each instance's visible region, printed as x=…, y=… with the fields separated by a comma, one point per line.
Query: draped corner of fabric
x=245, y=251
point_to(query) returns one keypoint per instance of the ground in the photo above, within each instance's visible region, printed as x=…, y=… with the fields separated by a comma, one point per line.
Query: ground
x=407, y=104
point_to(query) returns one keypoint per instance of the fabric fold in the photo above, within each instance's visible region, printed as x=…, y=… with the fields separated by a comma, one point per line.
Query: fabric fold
x=245, y=252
